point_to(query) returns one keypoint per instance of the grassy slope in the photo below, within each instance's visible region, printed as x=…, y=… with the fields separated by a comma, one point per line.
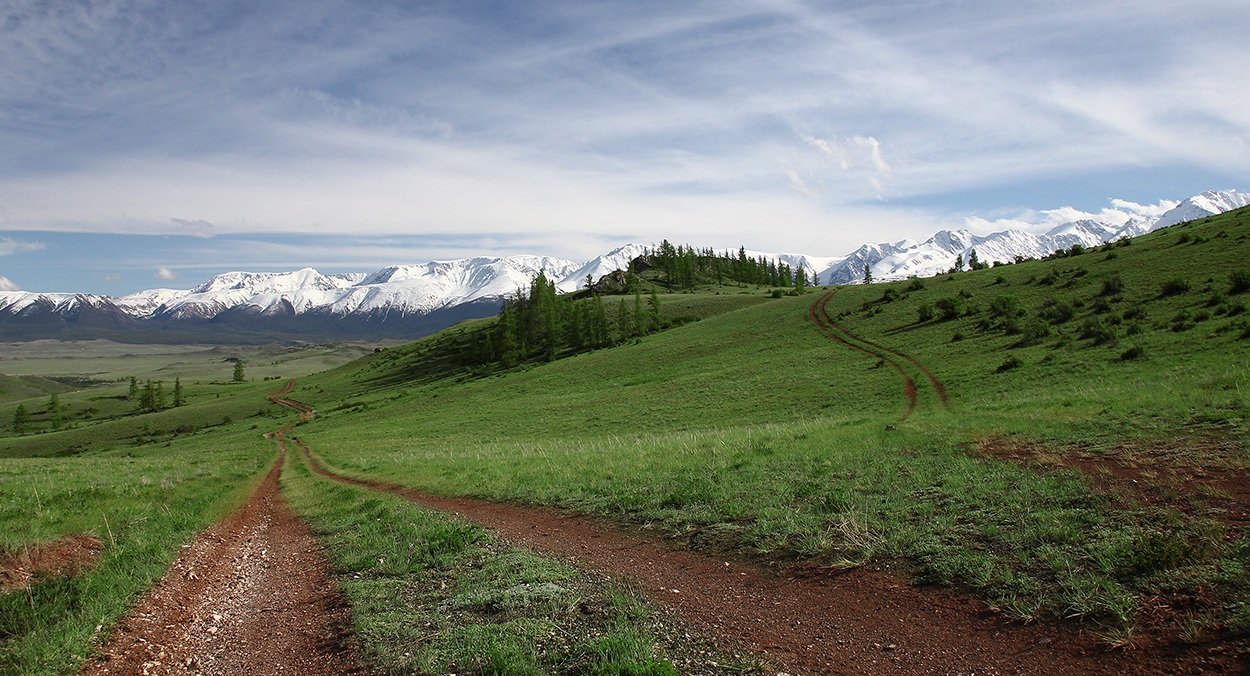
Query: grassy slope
x=749, y=429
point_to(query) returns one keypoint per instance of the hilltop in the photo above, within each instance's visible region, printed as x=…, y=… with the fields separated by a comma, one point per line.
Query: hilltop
x=408, y=301
x=1062, y=440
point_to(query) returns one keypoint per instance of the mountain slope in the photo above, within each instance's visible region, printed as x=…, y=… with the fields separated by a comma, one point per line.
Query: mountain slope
x=412, y=300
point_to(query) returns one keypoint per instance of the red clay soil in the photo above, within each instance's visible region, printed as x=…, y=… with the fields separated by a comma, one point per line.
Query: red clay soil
x=67, y=556
x=824, y=313
x=305, y=411
x=833, y=332
x=250, y=595
x=818, y=622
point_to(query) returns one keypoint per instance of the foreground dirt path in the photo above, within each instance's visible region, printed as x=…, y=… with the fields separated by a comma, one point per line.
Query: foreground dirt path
x=816, y=622
x=250, y=595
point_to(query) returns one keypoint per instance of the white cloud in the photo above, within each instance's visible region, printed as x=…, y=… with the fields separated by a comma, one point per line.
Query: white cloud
x=199, y=228
x=8, y=285
x=165, y=274
x=112, y=278
x=9, y=246
x=1119, y=213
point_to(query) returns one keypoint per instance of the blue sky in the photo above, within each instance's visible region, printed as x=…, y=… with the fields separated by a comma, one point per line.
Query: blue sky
x=155, y=143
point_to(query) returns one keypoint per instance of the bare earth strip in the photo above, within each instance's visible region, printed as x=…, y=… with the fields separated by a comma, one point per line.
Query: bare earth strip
x=250, y=595
x=815, y=622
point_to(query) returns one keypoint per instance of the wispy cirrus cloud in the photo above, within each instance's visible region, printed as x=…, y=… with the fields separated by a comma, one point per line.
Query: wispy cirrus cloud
x=9, y=246
x=778, y=124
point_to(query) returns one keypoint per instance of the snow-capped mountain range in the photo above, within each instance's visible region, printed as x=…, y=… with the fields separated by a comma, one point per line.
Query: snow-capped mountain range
x=358, y=303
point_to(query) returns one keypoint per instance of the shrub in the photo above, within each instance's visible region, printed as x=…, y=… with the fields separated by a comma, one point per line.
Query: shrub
x=1239, y=281
x=1112, y=285
x=1100, y=306
x=1134, y=352
x=1006, y=306
x=950, y=307
x=1173, y=287
x=914, y=285
x=1094, y=329
x=1056, y=312
x=1011, y=362
x=924, y=313
x=1033, y=331
x=890, y=295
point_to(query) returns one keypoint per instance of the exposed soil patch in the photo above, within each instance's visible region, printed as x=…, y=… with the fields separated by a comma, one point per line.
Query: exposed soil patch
x=67, y=556
x=250, y=595
x=1197, y=476
x=817, y=622
x=279, y=398
x=821, y=319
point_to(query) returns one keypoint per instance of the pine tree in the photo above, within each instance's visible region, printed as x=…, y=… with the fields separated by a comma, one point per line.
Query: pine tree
x=21, y=419
x=867, y=273
x=179, y=397
x=622, y=321
x=134, y=389
x=54, y=410
x=800, y=280
x=959, y=264
x=158, y=396
x=974, y=262
x=238, y=371
x=147, y=398
x=640, y=319
x=653, y=310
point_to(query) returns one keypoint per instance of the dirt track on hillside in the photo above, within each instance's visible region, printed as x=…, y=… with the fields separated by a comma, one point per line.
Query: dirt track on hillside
x=819, y=314
x=250, y=595
x=805, y=621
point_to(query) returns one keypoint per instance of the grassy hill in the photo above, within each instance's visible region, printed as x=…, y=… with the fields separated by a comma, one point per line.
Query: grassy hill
x=1091, y=452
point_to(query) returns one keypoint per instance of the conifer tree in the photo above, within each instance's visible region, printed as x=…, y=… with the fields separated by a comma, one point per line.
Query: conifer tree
x=54, y=410
x=622, y=321
x=238, y=371
x=653, y=311
x=134, y=389
x=867, y=273
x=800, y=280
x=21, y=419
x=179, y=397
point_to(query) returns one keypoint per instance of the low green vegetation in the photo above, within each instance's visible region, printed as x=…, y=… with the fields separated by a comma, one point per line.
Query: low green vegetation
x=1086, y=466
x=139, y=504
x=431, y=594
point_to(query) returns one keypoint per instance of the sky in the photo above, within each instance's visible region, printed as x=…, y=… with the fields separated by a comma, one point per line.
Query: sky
x=149, y=144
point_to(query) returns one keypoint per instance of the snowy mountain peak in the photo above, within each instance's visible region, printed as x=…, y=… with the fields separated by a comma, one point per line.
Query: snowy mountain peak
x=419, y=289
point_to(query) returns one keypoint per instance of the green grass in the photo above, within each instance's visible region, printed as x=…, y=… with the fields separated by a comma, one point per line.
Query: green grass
x=141, y=503
x=744, y=428
x=751, y=430
x=433, y=594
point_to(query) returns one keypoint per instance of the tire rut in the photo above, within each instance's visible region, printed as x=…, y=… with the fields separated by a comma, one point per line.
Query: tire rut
x=252, y=594
x=819, y=314
x=800, y=621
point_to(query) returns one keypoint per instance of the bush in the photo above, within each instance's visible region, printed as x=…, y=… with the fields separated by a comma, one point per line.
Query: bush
x=924, y=313
x=1134, y=352
x=950, y=307
x=1033, y=331
x=890, y=295
x=1056, y=312
x=1173, y=287
x=1112, y=285
x=1239, y=281
x=914, y=285
x=1006, y=306
x=1094, y=329
x=1011, y=362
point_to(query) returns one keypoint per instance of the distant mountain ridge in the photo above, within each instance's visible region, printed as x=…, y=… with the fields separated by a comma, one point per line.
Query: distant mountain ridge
x=405, y=301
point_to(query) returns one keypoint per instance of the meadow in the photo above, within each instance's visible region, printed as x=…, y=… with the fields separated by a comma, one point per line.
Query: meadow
x=1087, y=461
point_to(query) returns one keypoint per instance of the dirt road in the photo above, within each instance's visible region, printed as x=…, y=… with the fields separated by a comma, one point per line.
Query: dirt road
x=250, y=595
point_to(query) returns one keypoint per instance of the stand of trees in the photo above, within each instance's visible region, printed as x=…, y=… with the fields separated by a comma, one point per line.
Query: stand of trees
x=684, y=267
x=537, y=324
